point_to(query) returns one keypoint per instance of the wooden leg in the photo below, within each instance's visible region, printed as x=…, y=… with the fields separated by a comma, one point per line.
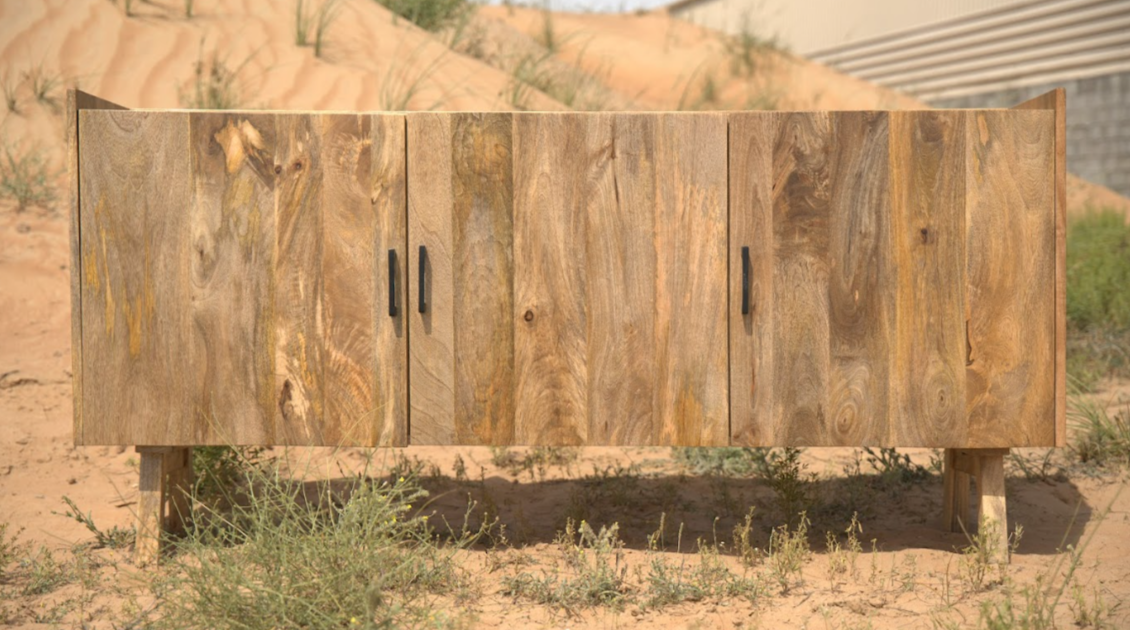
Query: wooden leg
x=164, y=504
x=990, y=495
x=150, y=505
x=955, y=508
x=178, y=470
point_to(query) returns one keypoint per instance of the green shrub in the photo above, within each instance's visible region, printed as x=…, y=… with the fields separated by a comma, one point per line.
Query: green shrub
x=26, y=178
x=1098, y=271
x=351, y=553
x=430, y=15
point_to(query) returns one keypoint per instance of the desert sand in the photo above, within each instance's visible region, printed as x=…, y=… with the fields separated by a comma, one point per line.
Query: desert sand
x=373, y=61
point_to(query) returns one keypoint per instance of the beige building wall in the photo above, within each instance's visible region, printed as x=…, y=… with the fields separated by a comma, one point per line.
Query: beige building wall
x=808, y=26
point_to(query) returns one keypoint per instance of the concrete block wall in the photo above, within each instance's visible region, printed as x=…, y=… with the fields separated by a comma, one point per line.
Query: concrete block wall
x=1098, y=124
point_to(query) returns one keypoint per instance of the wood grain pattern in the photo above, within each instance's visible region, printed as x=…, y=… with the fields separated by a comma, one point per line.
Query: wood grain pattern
x=298, y=324
x=1056, y=101
x=77, y=100
x=135, y=292
x=389, y=199
x=232, y=241
x=620, y=267
x=620, y=279
x=861, y=292
x=927, y=181
x=691, y=336
x=553, y=157
x=751, y=225
x=801, y=214
x=483, y=279
x=832, y=298
x=363, y=206
x=1010, y=258
x=431, y=353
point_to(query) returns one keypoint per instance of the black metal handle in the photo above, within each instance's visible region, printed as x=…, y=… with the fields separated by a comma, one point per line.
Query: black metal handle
x=423, y=267
x=745, y=281
x=392, y=283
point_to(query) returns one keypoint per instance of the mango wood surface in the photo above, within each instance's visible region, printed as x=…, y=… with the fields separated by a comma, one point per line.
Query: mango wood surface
x=227, y=300
x=77, y=100
x=891, y=263
x=615, y=283
x=1056, y=101
x=928, y=244
x=1010, y=267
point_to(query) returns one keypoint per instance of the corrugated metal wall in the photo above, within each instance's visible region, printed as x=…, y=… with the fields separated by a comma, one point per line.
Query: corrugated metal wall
x=939, y=50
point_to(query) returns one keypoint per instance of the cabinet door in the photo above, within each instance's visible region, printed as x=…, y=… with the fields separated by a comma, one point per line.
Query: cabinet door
x=901, y=278
x=234, y=272
x=575, y=279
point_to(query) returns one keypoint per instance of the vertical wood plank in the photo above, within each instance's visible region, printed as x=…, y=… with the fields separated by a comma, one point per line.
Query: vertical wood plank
x=927, y=181
x=861, y=293
x=483, y=282
x=1010, y=258
x=77, y=100
x=1056, y=101
x=551, y=340
x=802, y=194
x=620, y=271
x=231, y=232
x=432, y=349
x=135, y=292
x=751, y=225
x=363, y=206
x=389, y=197
x=691, y=330
x=298, y=325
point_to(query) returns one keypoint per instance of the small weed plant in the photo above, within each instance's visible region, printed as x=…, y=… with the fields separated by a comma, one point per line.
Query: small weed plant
x=26, y=178
x=115, y=538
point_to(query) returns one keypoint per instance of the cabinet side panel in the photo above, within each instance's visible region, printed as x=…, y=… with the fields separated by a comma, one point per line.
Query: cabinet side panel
x=751, y=225
x=551, y=339
x=431, y=352
x=136, y=197
x=298, y=341
x=483, y=278
x=1056, y=101
x=803, y=171
x=77, y=100
x=1010, y=260
x=927, y=179
x=231, y=230
x=691, y=330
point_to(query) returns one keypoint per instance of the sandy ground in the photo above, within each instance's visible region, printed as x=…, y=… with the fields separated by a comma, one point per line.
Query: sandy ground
x=642, y=61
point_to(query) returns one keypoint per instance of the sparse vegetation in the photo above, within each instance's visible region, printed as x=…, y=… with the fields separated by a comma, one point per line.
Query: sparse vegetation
x=44, y=84
x=215, y=84
x=536, y=461
x=747, y=49
x=1098, y=304
x=319, y=19
x=406, y=79
x=1100, y=439
x=430, y=15
x=594, y=566
x=314, y=556
x=11, y=96
x=26, y=178
x=114, y=538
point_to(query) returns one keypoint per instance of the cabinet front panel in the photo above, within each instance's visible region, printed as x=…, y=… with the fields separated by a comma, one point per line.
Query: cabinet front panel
x=901, y=279
x=231, y=264
x=575, y=280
